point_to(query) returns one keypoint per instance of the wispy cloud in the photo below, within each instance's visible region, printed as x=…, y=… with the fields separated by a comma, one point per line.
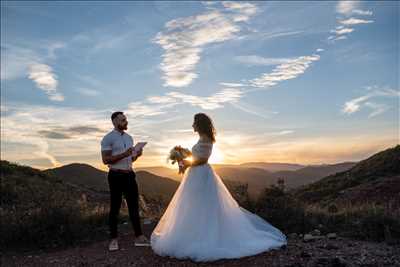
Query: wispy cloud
x=285, y=71
x=362, y=12
x=47, y=132
x=261, y=61
x=185, y=38
x=355, y=21
x=45, y=79
x=346, y=9
x=15, y=61
x=19, y=62
x=376, y=108
x=140, y=109
x=340, y=30
x=52, y=47
x=229, y=95
x=253, y=110
x=232, y=84
x=356, y=104
x=242, y=11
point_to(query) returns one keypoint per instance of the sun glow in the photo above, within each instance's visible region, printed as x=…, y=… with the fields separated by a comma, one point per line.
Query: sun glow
x=217, y=156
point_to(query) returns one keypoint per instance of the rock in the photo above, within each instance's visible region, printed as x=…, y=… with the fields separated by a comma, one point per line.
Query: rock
x=331, y=262
x=293, y=236
x=331, y=236
x=309, y=237
x=330, y=247
x=315, y=232
x=304, y=254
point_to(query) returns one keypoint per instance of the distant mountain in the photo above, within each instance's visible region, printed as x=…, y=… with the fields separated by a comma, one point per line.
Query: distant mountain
x=273, y=166
x=376, y=178
x=312, y=173
x=259, y=178
x=89, y=177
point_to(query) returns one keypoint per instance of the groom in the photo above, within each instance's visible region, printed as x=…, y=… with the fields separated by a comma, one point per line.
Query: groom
x=116, y=152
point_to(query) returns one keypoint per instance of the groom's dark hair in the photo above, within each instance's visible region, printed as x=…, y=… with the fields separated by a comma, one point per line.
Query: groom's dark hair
x=115, y=114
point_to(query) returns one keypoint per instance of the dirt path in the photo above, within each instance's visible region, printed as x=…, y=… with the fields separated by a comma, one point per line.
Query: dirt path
x=339, y=252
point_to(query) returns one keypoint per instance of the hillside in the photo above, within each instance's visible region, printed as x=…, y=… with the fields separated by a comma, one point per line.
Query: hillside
x=312, y=173
x=26, y=187
x=87, y=176
x=81, y=174
x=373, y=179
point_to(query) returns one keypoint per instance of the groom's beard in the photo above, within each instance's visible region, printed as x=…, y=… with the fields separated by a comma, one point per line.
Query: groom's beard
x=123, y=127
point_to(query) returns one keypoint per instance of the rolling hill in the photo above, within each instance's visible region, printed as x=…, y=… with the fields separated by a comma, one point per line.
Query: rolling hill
x=375, y=179
x=89, y=177
x=259, y=178
x=273, y=166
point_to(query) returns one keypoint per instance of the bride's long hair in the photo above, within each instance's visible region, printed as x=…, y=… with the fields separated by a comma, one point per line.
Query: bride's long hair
x=205, y=125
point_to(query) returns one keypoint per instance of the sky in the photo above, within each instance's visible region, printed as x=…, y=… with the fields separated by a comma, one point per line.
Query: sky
x=299, y=82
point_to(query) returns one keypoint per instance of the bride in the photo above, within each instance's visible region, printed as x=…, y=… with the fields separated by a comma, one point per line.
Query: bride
x=203, y=222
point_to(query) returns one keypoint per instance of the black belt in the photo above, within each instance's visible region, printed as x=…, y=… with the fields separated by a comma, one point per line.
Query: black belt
x=121, y=171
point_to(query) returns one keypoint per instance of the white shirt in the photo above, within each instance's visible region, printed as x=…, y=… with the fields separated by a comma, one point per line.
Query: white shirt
x=118, y=143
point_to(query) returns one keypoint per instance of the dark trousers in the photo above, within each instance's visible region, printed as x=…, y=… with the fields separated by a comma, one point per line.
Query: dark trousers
x=123, y=183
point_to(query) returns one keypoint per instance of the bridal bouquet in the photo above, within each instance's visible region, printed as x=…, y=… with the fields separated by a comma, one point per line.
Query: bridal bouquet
x=178, y=154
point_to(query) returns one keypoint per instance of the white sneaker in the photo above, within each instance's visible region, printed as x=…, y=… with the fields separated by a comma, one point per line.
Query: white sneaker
x=113, y=245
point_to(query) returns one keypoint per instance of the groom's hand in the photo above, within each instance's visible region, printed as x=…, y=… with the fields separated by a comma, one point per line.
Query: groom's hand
x=139, y=153
x=128, y=152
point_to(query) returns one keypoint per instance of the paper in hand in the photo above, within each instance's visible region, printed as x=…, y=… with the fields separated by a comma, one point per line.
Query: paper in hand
x=139, y=146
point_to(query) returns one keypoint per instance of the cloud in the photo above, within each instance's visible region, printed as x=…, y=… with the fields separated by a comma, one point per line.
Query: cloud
x=261, y=61
x=253, y=110
x=362, y=12
x=184, y=39
x=52, y=47
x=341, y=31
x=356, y=104
x=346, y=7
x=53, y=135
x=48, y=132
x=285, y=71
x=46, y=80
x=355, y=21
x=377, y=108
x=15, y=61
x=243, y=10
x=320, y=50
x=18, y=62
x=232, y=84
x=139, y=109
x=70, y=132
x=229, y=95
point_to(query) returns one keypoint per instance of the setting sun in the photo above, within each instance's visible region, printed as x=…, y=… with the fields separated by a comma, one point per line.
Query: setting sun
x=217, y=156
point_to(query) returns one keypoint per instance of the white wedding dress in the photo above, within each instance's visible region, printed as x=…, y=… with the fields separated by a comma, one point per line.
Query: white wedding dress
x=203, y=222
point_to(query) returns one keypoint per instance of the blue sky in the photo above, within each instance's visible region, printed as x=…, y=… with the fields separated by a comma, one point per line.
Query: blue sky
x=305, y=82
